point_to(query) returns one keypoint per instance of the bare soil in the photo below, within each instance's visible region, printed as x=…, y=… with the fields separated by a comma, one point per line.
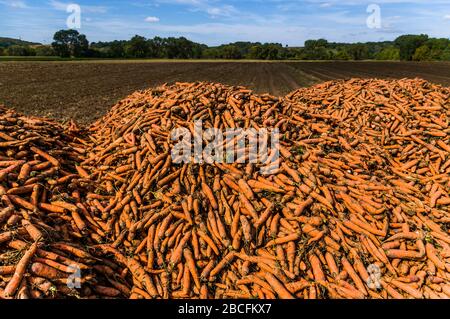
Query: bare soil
x=85, y=91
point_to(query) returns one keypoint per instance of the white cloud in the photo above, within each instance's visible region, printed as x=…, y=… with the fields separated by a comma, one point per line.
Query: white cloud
x=62, y=6
x=15, y=4
x=211, y=7
x=225, y=11
x=152, y=19
x=58, y=5
x=447, y=17
x=214, y=11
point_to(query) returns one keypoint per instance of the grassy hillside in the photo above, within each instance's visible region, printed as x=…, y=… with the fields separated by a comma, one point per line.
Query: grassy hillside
x=7, y=42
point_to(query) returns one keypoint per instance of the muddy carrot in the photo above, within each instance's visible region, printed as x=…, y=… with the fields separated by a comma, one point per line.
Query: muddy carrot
x=278, y=287
x=46, y=156
x=20, y=270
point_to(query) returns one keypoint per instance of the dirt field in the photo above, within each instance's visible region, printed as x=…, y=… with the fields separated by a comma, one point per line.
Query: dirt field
x=86, y=90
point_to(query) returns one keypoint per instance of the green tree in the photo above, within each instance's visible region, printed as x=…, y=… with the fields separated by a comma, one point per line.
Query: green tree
x=44, y=50
x=389, y=54
x=316, y=44
x=182, y=48
x=116, y=50
x=358, y=51
x=301, y=54
x=290, y=53
x=256, y=52
x=157, y=48
x=137, y=47
x=445, y=56
x=273, y=51
x=70, y=43
x=19, y=50
x=422, y=54
x=210, y=53
x=2, y=51
x=437, y=47
x=230, y=52
x=317, y=50
x=408, y=44
x=243, y=47
x=342, y=54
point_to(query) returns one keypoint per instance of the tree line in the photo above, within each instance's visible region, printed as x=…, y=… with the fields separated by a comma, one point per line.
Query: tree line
x=70, y=43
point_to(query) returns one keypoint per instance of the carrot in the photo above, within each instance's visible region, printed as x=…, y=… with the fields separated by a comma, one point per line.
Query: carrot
x=32, y=230
x=280, y=241
x=72, y=250
x=79, y=221
x=246, y=228
x=245, y=189
x=347, y=292
x=265, y=215
x=6, y=236
x=263, y=186
x=354, y=276
x=333, y=268
x=192, y=267
x=68, y=206
x=107, y=291
x=291, y=172
x=139, y=273
x=82, y=172
x=297, y=286
x=406, y=288
x=209, y=241
x=21, y=202
x=404, y=254
x=248, y=206
x=46, y=156
x=291, y=252
x=7, y=270
x=47, y=272
x=209, y=194
x=20, y=270
x=278, y=287
x=52, y=208
x=186, y=282
x=222, y=264
x=21, y=190
x=6, y=213
x=58, y=266
x=24, y=172
x=319, y=276
x=431, y=254
x=178, y=252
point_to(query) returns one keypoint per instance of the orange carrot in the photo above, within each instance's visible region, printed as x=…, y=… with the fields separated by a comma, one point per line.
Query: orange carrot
x=278, y=287
x=20, y=270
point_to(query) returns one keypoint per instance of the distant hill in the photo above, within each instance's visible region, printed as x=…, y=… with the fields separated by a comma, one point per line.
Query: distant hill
x=7, y=42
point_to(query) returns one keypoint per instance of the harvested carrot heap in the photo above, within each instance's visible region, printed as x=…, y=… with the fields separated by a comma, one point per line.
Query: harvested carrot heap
x=43, y=222
x=357, y=209
x=356, y=206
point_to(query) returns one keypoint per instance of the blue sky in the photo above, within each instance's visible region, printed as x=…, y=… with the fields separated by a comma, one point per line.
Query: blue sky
x=213, y=22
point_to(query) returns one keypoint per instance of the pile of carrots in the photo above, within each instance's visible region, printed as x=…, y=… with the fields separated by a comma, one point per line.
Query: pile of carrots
x=359, y=206
x=43, y=221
